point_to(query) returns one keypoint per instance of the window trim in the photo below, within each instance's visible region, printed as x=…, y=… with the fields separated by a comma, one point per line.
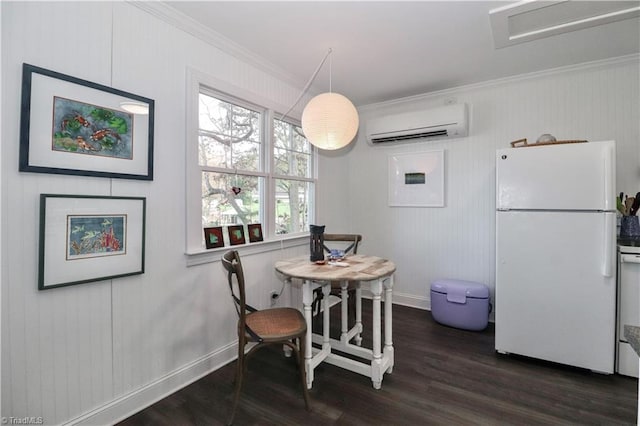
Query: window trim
x=193, y=231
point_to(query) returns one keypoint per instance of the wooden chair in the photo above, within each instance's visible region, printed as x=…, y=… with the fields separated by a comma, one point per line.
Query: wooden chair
x=281, y=326
x=349, y=244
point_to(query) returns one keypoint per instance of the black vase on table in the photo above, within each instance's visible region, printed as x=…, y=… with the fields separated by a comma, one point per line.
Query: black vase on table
x=316, y=243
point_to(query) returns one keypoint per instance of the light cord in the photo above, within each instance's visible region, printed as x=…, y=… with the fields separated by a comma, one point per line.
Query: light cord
x=306, y=87
x=330, y=71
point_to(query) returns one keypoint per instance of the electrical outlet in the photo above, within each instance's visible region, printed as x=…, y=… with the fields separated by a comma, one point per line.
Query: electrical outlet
x=274, y=297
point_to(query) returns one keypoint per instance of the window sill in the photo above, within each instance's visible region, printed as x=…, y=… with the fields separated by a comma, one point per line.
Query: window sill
x=213, y=255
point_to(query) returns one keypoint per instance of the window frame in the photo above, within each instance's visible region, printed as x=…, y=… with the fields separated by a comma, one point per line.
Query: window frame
x=199, y=82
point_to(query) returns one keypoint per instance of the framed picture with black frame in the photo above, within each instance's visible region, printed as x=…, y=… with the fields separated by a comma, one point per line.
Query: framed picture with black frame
x=77, y=127
x=236, y=235
x=255, y=232
x=213, y=237
x=86, y=238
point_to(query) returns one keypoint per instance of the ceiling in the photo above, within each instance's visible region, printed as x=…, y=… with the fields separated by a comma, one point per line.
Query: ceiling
x=385, y=50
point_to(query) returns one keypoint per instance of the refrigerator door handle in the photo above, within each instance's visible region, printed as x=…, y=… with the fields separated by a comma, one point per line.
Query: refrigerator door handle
x=607, y=258
x=608, y=179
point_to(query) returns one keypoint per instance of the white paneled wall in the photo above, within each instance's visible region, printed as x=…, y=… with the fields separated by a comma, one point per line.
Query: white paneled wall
x=593, y=102
x=56, y=345
x=96, y=352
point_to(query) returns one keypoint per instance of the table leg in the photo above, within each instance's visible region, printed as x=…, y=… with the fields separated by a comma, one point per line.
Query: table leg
x=358, y=337
x=388, y=326
x=376, y=362
x=345, y=310
x=326, y=291
x=307, y=300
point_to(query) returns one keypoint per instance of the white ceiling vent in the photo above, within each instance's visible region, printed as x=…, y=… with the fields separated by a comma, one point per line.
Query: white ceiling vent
x=531, y=20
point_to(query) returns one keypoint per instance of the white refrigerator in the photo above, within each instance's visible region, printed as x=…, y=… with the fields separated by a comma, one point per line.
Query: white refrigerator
x=556, y=252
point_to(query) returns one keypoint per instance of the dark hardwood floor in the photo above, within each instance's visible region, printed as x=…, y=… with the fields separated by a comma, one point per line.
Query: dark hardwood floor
x=441, y=376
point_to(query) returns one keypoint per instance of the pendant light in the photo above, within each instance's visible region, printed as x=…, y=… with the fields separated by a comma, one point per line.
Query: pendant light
x=329, y=120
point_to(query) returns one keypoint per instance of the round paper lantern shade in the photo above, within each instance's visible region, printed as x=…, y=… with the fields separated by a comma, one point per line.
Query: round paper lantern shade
x=330, y=121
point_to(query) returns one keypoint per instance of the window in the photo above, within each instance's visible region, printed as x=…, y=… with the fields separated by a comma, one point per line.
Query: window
x=252, y=166
x=230, y=147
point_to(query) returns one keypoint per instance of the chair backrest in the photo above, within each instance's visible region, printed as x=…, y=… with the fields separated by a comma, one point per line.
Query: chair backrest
x=233, y=265
x=349, y=242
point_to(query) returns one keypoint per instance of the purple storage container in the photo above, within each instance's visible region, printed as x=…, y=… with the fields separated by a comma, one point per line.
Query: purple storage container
x=460, y=304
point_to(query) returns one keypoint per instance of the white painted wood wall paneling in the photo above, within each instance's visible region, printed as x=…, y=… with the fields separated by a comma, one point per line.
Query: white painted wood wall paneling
x=56, y=344
x=146, y=62
x=594, y=102
x=97, y=352
x=332, y=195
x=192, y=305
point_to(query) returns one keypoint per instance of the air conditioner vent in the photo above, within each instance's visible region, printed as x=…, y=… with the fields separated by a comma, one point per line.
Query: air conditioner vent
x=419, y=135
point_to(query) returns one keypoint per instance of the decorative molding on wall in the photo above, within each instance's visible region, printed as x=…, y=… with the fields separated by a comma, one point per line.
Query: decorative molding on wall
x=179, y=20
x=129, y=404
x=634, y=58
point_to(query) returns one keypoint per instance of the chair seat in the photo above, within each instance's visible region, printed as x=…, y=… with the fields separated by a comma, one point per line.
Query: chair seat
x=277, y=323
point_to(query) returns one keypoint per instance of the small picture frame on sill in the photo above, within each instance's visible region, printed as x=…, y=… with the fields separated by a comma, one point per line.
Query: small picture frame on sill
x=255, y=232
x=236, y=235
x=213, y=237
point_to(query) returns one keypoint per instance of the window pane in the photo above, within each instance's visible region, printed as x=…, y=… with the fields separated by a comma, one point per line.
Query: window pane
x=220, y=206
x=292, y=206
x=214, y=153
x=282, y=131
x=300, y=143
x=211, y=114
x=246, y=155
x=245, y=124
x=230, y=135
x=292, y=152
x=292, y=163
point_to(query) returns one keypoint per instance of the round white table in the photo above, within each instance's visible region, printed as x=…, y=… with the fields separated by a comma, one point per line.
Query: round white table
x=375, y=271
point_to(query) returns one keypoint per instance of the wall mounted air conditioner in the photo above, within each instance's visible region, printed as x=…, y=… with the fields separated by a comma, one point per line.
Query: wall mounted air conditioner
x=449, y=121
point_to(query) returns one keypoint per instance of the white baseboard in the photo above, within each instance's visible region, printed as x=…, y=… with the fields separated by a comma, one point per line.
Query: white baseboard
x=412, y=301
x=131, y=403
x=424, y=303
x=404, y=299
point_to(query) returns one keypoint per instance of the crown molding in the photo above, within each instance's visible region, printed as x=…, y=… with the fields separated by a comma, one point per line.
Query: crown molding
x=620, y=60
x=168, y=14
